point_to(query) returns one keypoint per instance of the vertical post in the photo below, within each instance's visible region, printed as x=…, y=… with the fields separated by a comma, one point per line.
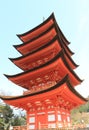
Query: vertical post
x=46, y=117
x=27, y=120
x=56, y=117
x=39, y=125
x=36, y=119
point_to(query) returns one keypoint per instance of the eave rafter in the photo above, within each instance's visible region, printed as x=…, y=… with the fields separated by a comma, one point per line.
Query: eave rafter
x=57, y=92
x=21, y=61
x=44, y=38
x=40, y=57
x=33, y=45
x=57, y=63
x=43, y=46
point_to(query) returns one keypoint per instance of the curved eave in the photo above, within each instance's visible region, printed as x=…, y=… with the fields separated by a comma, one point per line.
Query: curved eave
x=62, y=36
x=41, y=48
x=18, y=47
x=71, y=60
x=41, y=51
x=61, y=33
x=16, y=60
x=34, y=29
x=76, y=97
x=29, y=41
x=68, y=49
x=47, y=65
x=37, y=27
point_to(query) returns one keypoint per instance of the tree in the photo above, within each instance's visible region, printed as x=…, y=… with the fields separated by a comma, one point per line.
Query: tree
x=19, y=120
x=6, y=116
x=80, y=113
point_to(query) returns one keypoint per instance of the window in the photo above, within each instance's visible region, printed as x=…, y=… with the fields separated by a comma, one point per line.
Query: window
x=32, y=120
x=51, y=117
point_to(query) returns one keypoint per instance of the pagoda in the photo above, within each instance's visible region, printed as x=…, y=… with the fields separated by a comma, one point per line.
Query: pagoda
x=48, y=77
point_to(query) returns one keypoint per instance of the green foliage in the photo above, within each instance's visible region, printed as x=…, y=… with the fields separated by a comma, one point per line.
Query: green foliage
x=80, y=114
x=6, y=114
x=18, y=121
x=82, y=108
x=7, y=118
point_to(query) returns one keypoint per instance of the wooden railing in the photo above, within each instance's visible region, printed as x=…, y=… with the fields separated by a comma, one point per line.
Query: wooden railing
x=25, y=128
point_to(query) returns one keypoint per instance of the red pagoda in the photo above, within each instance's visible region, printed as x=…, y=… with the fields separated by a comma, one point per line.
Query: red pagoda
x=48, y=77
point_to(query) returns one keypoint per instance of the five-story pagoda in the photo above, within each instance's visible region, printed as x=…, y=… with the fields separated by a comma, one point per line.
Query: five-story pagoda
x=48, y=75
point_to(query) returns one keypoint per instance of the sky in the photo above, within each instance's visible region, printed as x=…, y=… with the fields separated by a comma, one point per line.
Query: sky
x=19, y=16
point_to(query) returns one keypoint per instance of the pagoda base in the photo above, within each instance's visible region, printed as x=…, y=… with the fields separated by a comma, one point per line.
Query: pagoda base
x=48, y=118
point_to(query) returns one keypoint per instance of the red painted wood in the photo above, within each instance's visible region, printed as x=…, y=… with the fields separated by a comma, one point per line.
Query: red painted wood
x=51, y=95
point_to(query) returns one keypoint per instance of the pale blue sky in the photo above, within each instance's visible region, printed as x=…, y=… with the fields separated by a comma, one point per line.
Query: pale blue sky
x=19, y=16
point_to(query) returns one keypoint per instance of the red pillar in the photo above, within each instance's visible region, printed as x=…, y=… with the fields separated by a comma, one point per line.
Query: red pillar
x=27, y=120
x=56, y=117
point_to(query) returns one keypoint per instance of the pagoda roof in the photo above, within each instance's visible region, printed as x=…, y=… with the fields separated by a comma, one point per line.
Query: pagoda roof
x=31, y=34
x=63, y=92
x=34, y=44
x=44, y=38
x=58, y=63
x=31, y=60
